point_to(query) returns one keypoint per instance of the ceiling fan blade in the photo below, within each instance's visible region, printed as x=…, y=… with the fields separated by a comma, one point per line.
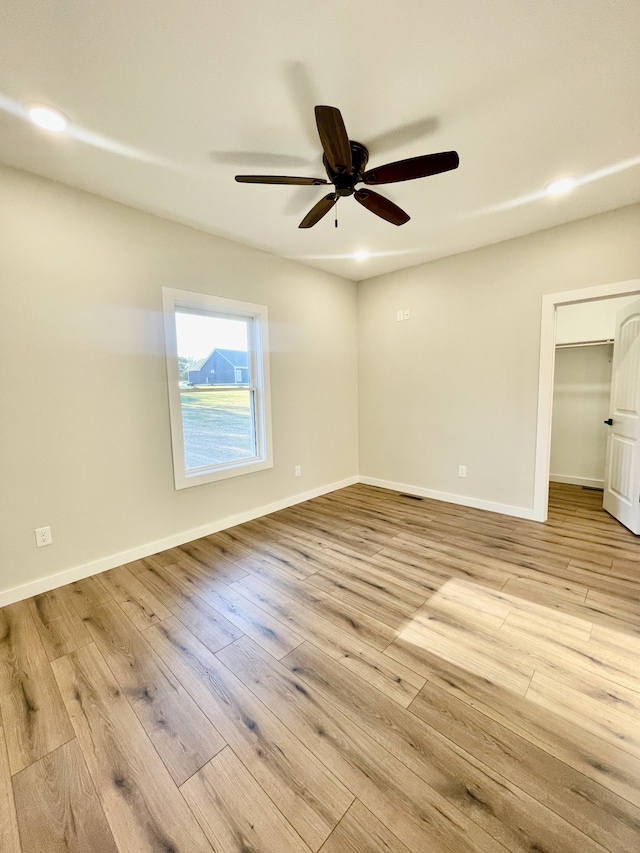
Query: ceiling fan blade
x=334, y=139
x=382, y=207
x=318, y=210
x=414, y=167
x=279, y=179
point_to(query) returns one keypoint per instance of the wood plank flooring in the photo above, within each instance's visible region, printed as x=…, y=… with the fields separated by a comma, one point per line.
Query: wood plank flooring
x=361, y=673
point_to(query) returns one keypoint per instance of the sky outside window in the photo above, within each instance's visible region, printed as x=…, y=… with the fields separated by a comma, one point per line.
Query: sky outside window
x=198, y=334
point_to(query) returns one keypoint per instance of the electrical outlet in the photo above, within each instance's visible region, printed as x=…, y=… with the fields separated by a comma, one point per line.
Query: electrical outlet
x=462, y=470
x=400, y=315
x=407, y=314
x=43, y=536
x=298, y=470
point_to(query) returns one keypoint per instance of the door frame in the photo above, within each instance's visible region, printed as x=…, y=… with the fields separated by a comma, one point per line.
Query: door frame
x=550, y=302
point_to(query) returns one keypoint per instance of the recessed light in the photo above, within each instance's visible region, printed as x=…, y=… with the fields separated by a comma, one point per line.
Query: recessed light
x=48, y=119
x=361, y=255
x=561, y=186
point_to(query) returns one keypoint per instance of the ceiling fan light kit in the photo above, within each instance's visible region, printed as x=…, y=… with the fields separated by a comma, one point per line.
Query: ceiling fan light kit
x=345, y=162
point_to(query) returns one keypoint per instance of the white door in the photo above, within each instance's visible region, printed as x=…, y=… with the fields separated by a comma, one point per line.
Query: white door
x=622, y=471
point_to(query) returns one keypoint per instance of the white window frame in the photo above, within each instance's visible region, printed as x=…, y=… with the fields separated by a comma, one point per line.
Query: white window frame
x=174, y=300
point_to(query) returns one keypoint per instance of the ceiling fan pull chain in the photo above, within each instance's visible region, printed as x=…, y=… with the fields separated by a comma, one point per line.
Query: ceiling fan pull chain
x=336, y=215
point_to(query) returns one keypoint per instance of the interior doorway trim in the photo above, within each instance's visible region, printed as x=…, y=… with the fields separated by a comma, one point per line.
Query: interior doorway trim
x=545, y=381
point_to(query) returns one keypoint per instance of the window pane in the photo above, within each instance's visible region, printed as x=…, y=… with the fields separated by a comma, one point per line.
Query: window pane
x=218, y=426
x=199, y=336
x=218, y=419
x=218, y=371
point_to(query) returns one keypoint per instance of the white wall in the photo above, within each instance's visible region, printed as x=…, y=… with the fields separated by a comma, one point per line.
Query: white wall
x=589, y=321
x=85, y=445
x=457, y=383
x=581, y=390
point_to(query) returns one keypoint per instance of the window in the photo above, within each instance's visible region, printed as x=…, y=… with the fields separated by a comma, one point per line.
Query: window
x=218, y=375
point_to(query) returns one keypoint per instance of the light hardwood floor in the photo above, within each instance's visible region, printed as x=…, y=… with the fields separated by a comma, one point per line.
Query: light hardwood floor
x=361, y=673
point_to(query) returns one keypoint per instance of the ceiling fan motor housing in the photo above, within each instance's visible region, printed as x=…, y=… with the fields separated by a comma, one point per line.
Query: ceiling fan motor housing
x=345, y=182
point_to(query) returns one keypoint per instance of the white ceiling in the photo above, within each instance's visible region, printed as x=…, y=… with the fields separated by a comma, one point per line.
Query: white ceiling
x=170, y=99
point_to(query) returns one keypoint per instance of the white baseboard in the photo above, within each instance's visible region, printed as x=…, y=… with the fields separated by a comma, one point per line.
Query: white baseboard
x=18, y=593
x=463, y=500
x=576, y=481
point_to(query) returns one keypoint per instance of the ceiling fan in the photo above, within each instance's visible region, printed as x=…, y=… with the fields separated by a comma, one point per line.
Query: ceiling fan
x=345, y=162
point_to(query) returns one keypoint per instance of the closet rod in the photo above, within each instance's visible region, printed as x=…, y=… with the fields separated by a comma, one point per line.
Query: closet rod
x=585, y=344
